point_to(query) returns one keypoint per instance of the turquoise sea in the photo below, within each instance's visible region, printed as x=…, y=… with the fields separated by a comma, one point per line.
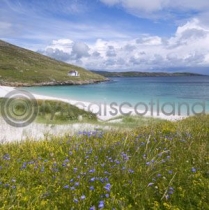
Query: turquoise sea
x=191, y=92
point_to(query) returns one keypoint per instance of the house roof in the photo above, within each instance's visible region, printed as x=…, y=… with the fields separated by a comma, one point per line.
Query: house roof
x=74, y=71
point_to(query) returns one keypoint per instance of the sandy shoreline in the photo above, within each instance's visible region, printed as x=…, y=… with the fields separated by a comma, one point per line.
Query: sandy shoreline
x=103, y=111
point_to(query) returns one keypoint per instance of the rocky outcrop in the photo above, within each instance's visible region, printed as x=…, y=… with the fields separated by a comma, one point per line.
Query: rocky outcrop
x=53, y=83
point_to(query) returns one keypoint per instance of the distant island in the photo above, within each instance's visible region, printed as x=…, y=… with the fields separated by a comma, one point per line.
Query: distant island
x=144, y=74
x=21, y=67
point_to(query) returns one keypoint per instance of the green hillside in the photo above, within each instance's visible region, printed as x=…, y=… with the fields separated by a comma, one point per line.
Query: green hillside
x=21, y=67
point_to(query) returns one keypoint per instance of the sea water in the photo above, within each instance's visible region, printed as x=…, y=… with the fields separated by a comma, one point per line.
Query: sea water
x=186, y=95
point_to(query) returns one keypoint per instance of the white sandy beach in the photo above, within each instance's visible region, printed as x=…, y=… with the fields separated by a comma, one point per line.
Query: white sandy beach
x=40, y=131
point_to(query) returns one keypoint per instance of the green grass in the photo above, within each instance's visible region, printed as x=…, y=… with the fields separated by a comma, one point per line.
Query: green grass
x=50, y=112
x=162, y=166
x=130, y=122
x=18, y=65
x=57, y=112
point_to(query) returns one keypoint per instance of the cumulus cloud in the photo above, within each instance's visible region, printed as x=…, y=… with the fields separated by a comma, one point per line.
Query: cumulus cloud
x=188, y=47
x=80, y=50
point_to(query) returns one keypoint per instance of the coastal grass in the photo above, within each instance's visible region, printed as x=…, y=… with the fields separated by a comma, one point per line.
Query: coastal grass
x=132, y=121
x=48, y=111
x=163, y=166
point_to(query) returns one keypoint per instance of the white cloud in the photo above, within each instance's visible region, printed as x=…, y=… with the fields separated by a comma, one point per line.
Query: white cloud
x=159, y=8
x=188, y=47
x=145, y=5
x=80, y=50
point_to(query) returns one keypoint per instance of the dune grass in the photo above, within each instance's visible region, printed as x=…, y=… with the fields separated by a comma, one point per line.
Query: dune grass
x=49, y=111
x=160, y=166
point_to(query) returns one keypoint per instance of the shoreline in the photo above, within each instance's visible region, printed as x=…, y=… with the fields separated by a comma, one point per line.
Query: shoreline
x=36, y=131
x=53, y=83
x=104, y=112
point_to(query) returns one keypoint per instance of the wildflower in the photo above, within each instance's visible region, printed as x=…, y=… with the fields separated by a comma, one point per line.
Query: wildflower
x=92, y=179
x=130, y=171
x=159, y=175
x=125, y=156
x=72, y=188
x=24, y=165
x=76, y=184
x=66, y=187
x=102, y=180
x=106, y=179
x=92, y=171
x=75, y=200
x=193, y=169
x=101, y=204
x=167, y=196
x=150, y=184
x=83, y=197
x=92, y=208
x=170, y=172
x=91, y=187
x=6, y=157
x=107, y=195
x=170, y=190
x=106, y=173
x=65, y=162
x=117, y=161
x=107, y=186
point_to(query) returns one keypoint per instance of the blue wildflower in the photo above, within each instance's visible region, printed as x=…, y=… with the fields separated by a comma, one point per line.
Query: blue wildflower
x=91, y=187
x=92, y=179
x=170, y=172
x=76, y=184
x=107, y=186
x=66, y=187
x=130, y=171
x=83, y=197
x=24, y=165
x=193, y=169
x=170, y=190
x=101, y=204
x=92, y=171
x=107, y=195
x=6, y=157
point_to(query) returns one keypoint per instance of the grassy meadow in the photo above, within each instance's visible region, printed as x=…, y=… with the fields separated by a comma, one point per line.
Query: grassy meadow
x=158, y=166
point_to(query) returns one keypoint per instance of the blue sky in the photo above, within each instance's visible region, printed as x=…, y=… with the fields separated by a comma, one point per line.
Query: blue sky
x=115, y=35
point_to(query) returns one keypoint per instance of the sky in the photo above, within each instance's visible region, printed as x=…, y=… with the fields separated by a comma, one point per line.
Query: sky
x=112, y=35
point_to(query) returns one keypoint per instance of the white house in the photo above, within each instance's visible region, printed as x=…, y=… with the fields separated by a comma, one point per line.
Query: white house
x=73, y=73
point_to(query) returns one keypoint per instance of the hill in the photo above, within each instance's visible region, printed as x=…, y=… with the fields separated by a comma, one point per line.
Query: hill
x=22, y=67
x=143, y=74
